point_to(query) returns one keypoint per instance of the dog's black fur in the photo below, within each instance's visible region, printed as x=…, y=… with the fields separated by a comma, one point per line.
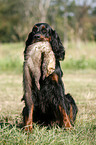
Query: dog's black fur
x=51, y=104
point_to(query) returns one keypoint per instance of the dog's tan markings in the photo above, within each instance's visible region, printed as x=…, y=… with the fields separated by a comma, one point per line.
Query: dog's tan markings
x=43, y=27
x=71, y=113
x=29, y=120
x=54, y=77
x=35, y=26
x=42, y=37
x=66, y=120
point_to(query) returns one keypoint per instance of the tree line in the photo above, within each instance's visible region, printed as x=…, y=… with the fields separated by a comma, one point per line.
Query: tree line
x=73, y=20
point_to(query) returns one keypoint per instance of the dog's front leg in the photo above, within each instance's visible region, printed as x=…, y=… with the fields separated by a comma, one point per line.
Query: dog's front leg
x=64, y=118
x=27, y=86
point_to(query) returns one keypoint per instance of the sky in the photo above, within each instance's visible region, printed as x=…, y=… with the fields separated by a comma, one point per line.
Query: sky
x=88, y=2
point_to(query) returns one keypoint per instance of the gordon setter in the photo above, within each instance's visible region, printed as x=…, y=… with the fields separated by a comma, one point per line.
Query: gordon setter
x=50, y=104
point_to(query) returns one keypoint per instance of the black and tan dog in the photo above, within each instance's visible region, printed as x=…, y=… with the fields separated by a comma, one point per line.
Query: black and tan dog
x=50, y=104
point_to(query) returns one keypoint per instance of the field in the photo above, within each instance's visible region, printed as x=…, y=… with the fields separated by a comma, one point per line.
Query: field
x=79, y=79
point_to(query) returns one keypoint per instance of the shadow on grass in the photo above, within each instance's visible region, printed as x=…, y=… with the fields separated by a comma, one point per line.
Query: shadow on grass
x=6, y=122
x=10, y=123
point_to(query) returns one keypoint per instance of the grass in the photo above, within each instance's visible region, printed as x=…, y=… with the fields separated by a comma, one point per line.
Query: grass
x=80, y=82
x=11, y=57
x=82, y=56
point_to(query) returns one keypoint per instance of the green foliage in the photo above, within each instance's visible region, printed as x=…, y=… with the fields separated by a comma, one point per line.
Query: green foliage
x=71, y=20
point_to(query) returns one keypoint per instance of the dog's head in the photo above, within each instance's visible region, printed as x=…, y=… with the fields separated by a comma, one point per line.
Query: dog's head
x=43, y=32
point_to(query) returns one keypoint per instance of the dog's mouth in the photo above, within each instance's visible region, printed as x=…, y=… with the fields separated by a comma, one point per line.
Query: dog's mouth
x=38, y=38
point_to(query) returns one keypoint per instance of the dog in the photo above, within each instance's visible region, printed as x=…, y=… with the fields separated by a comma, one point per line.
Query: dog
x=50, y=104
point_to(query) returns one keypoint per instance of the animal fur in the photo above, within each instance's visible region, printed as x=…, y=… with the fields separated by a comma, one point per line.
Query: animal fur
x=50, y=104
x=34, y=59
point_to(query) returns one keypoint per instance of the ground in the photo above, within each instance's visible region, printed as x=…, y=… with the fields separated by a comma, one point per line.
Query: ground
x=81, y=83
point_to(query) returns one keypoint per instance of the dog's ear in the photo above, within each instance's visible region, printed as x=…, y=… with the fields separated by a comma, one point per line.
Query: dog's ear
x=28, y=42
x=57, y=46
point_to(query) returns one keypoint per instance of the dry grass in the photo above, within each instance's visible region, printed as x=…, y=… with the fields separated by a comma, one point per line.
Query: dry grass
x=81, y=84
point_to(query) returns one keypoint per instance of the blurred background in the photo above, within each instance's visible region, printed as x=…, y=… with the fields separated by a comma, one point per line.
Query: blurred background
x=73, y=19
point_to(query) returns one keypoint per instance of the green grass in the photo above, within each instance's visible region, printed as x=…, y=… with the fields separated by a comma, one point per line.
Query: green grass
x=79, y=81
x=82, y=56
x=54, y=136
x=81, y=84
x=11, y=57
x=81, y=63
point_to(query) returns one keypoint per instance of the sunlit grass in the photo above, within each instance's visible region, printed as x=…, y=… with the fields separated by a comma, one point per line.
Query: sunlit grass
x=79, y=78
x=82, y=57
x=81, y=84
x=11, y=57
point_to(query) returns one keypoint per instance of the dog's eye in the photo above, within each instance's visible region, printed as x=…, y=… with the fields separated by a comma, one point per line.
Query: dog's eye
x=35, y=29
x=44, y=31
